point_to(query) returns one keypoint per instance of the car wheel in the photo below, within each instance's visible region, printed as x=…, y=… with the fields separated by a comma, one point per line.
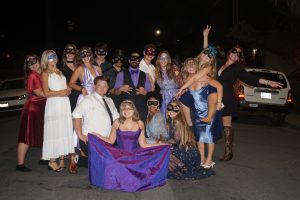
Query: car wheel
x=278, y=119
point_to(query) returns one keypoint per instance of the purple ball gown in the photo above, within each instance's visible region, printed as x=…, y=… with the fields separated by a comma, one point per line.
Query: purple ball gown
x=127, y=167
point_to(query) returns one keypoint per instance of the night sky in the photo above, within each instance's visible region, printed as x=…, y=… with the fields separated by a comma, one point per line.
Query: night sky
x=32, y=26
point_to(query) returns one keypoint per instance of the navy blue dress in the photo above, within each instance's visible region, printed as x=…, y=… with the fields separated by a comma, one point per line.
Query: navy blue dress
x=206, y=133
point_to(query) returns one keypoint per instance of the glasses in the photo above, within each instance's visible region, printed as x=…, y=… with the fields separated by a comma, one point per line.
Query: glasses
x=174, y=108
x=150, y=52
x=152, y=103
x=52, y=57
x=70, y=51
x=135, y=59
x=100, y=52
x=238, y=53
x=85, y=54
x=31, y=61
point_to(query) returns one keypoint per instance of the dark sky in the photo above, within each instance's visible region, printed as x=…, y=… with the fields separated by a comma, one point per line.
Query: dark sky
x=36, y=25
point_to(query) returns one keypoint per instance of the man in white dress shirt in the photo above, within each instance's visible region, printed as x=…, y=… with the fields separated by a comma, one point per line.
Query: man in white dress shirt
x=145, y=64
x=91, y=114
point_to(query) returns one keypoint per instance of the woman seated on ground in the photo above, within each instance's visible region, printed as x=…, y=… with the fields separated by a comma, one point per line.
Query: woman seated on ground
x=134, y=165
x=155, y=122
x=184, y=160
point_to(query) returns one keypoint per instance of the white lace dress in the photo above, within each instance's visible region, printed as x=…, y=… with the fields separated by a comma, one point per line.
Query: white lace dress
x=58, y=127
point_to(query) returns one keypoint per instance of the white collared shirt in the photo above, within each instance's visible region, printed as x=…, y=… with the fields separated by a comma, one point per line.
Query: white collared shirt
x=148, y=69
x=95, y=117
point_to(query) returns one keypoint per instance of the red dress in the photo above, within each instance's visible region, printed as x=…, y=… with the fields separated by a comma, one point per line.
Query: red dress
x=32, y=118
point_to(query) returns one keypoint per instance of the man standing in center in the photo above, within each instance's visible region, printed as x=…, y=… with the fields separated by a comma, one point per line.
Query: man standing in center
x=133, y=84
x=98, y=113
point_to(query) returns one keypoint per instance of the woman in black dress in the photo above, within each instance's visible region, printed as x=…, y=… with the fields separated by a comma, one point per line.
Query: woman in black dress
x=68, y=66
x=228, y=73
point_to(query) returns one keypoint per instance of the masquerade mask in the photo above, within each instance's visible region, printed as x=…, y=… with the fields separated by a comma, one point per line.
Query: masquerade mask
x=238, y=53
x=70, y=51
x=150, y=52
x=152, y=103
x=31, y=61
x=52, y=57
x=100, y=52
x=118, y=59
x=174, y=108
x=163, y=58
x=85, y=54
x=135, y=59
x=210, y=51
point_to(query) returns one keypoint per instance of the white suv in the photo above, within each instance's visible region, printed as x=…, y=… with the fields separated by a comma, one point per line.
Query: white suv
x=265, y=98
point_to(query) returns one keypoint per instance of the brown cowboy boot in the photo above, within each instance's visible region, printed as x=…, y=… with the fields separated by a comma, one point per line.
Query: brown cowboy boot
x=228, y=132
x=72, y=168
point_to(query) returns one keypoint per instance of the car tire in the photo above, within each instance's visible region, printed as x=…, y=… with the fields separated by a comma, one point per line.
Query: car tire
x=278, y=119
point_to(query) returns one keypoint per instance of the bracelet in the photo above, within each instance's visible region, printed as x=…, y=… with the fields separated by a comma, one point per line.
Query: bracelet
x=219, y=101
x=267, y=83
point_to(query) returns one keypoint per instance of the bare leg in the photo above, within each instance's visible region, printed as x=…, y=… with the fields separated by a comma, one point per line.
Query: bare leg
x=21, y=153
x=62, y=161
x=201, y=147
x=211, y=149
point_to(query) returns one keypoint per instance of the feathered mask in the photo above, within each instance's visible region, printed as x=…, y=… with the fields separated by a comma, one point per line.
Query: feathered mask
x=211, y=51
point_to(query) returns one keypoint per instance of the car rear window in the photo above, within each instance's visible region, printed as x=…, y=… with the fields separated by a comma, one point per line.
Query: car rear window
x=10, y=85
x=271, y=76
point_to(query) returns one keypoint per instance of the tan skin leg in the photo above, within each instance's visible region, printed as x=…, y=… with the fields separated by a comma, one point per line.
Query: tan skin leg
x=201, y=147
x=21, y=153
x=211, y=149
x=62, y=161
x=53, y=164
x=226, y=120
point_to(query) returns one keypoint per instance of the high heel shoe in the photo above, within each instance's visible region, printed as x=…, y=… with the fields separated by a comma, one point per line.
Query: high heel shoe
x=55, y=170
x=211, y=165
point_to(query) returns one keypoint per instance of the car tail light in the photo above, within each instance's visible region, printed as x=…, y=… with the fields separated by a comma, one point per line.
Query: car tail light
x=240, y=92
x=289, y=97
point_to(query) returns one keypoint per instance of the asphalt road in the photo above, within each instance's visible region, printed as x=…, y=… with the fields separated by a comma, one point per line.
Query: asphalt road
x=266, y=165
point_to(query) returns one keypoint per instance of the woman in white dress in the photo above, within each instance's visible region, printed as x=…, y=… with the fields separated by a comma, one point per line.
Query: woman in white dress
x=58, y=128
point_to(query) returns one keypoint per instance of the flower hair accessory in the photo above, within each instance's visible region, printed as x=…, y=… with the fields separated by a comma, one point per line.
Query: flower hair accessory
x=211, y=51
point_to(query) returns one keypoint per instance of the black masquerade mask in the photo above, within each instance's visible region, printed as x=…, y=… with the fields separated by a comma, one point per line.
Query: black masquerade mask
x=174, y=108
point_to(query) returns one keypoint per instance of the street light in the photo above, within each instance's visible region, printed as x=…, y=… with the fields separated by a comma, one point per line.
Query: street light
x=157, y=32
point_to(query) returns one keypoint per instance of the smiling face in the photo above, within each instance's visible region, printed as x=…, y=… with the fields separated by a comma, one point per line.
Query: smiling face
x=101, y=87
x=235, y=54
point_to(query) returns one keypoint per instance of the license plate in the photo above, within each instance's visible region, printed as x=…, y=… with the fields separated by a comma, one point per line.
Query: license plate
x=3, y=105
x=265, y=95
x=253, y=105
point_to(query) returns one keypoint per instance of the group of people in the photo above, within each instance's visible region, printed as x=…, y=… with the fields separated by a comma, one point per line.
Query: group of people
x=144, y=122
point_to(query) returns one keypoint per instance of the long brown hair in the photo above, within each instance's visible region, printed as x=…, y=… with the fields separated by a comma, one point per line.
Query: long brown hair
x=170, y=71
x=135, y=117
x=187, y=138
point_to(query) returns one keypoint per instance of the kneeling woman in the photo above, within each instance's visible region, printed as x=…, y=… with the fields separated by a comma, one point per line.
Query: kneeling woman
x=134, y=165
x=185, y=159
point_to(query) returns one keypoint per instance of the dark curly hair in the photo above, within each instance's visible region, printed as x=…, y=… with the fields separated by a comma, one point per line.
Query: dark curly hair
x=155, y=94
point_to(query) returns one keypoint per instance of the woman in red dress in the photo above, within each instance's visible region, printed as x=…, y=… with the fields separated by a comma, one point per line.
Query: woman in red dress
x=32, y=117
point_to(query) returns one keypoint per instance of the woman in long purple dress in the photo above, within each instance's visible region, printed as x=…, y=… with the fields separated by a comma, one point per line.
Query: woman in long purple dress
x=32, y=117
x=134, y=165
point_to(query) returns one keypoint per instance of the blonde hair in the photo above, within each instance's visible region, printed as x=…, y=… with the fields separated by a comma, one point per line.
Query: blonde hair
x=123, y=105
x=211, y=63
x=44, y=62
x=184, y=70
x=187, y=138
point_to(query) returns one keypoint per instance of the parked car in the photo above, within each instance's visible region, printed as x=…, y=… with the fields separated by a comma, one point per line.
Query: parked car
x=12, y=94
x=277, y=101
